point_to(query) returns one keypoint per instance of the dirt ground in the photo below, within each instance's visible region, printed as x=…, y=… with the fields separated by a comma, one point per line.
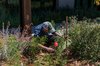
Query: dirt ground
x=70, y=62
x=81, y=63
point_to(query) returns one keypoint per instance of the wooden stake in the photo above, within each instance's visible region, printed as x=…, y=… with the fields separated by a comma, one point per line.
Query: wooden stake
x=66, y=30
x=66, y=26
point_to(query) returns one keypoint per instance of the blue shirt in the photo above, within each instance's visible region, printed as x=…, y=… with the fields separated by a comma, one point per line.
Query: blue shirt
x=36, y=30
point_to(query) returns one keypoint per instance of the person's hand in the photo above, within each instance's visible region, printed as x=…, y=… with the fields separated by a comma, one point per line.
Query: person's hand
x=47, y=48
x=50, y=49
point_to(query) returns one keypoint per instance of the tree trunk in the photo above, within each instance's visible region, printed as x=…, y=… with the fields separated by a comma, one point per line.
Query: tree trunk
x=25, y=10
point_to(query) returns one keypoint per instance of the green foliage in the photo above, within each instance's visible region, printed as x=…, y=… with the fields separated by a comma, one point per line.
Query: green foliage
x=16, y=48
x=11, y=12
x=61, y=60
x=13, y=51
x=85, y=39
x=14, y=2
x=32, y=50
x=39, y=16
x=53, y=59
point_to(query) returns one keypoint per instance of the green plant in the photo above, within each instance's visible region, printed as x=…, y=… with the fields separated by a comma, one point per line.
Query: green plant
x=53, y=59
x=59, y=58
x=85, y=39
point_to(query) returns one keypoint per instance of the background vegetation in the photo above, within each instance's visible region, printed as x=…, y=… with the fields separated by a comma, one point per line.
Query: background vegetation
x=85, y=37
x=43, y=10
x=84, y=33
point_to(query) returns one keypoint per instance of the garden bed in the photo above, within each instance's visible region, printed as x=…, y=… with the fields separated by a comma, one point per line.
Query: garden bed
x=82, y=47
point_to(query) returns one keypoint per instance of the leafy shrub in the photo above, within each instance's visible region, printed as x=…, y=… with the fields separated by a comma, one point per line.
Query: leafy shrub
x=53, y=59
x=85, y=39
x=61, y=60
x=13, y=50
x=29, y=49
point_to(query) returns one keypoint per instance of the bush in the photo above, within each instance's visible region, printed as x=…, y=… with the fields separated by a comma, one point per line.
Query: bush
x=53, y=59
x=85, y=39
x=29, y=49
x=13, y=49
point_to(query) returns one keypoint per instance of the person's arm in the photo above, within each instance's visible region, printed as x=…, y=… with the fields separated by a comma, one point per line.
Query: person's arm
x=57, y=34
x=52, y=30
x=46, y=48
